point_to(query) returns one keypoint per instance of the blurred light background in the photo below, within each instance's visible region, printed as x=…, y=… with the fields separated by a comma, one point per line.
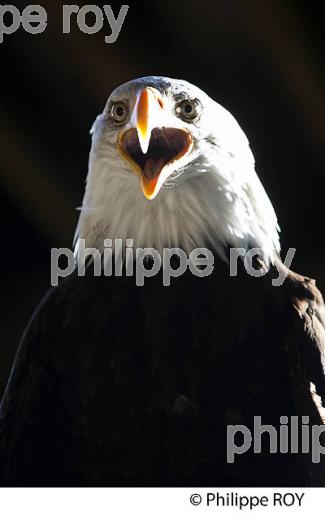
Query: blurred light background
x=261, y=59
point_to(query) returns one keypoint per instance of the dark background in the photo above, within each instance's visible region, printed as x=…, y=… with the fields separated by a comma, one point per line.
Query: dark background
x=261, y=59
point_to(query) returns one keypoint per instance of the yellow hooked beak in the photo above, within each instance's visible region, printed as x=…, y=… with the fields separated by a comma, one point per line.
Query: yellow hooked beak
x=150, y=145
x=148, y=109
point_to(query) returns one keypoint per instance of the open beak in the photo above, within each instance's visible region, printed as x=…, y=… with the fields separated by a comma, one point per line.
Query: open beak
x=150, y=145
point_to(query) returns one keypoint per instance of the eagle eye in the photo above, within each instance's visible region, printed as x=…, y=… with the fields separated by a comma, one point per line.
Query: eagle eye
x=119, y=112
x=187, y=109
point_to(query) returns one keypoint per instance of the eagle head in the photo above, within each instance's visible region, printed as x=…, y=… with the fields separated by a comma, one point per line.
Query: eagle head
x=170, y=167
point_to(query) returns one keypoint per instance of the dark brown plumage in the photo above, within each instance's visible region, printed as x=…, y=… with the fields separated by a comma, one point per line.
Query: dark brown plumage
x=115, y=384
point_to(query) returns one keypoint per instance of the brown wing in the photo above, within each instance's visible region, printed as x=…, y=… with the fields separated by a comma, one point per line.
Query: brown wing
x=308, y=319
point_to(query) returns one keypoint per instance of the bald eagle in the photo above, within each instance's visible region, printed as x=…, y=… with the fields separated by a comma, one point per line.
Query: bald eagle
x=116, y=384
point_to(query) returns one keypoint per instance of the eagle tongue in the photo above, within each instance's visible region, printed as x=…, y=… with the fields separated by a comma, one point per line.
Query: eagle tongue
x=152, y=168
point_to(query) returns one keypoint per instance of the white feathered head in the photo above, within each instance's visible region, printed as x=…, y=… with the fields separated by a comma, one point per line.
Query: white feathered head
x=170, y=167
